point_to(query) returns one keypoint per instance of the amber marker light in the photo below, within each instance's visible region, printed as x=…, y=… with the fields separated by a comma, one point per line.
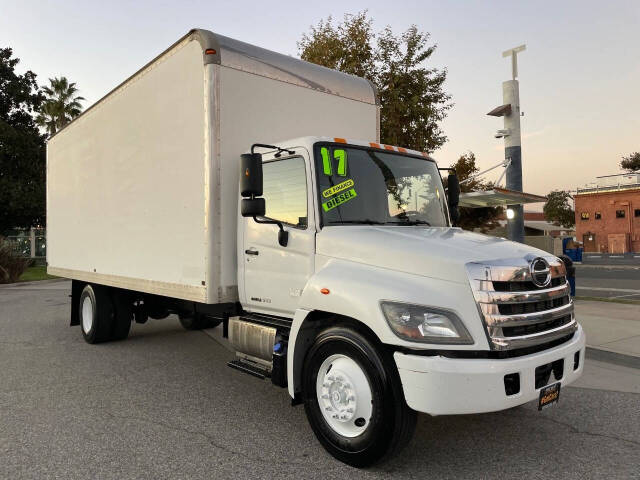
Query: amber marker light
x=210, y=51
x=325, y=291
x=339, y=140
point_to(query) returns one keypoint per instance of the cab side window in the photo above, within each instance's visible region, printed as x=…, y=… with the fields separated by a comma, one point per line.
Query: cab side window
x=285, y=191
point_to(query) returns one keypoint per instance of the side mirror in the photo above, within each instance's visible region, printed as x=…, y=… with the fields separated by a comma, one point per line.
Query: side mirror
x=252, y=207
x=453, y=196
x=251, y=183
x=251, y=175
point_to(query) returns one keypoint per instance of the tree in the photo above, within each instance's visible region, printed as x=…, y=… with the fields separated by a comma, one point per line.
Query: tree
x=412, y=96
x=486, y=218
x=60, y=106
x=631, y=162
x=22, y=148
x=558, y=209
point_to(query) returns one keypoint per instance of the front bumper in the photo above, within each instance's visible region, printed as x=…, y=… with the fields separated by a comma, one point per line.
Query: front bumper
x=446, y=386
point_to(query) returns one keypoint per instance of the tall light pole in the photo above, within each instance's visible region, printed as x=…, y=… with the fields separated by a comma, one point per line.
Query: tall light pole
x=512, y=144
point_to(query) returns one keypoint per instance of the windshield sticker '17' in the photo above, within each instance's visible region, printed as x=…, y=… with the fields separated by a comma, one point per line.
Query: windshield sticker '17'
x=329, y=192
x=339, y=199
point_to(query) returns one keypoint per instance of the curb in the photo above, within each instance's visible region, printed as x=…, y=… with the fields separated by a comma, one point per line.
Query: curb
x=594, y=353
x=34, y=282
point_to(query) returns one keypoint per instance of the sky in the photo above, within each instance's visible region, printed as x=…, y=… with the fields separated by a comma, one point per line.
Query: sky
x=579, y=77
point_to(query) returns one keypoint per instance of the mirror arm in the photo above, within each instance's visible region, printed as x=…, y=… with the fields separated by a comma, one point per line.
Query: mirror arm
x=283, y=235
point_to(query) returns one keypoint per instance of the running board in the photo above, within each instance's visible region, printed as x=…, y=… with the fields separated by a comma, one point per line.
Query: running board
x=249, y=368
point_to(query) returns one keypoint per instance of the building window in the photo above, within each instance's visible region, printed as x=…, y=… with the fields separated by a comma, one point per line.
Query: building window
x=636, y=212
x=619, y=213
x=598, y=215
x=584, y=216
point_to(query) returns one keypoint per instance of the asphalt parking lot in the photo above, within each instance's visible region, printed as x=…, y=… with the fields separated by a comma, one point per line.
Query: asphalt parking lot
x=163, y=404
x=608, y=281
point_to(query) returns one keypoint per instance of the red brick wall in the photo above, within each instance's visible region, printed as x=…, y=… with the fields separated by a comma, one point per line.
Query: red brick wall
x=607, y=204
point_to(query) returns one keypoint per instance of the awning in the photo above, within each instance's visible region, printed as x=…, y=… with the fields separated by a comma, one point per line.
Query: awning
x=497, y=197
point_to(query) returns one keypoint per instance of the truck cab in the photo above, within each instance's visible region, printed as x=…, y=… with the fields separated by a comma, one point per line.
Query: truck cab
x=449, y=321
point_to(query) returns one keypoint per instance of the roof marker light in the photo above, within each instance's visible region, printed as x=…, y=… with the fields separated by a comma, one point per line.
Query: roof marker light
x=325, y=291
x=388, y=147
x=210, y=51
x=339, y=140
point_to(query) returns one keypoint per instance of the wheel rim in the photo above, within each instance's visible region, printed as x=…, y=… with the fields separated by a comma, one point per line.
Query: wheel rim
x=344, y=395
x=87, y=314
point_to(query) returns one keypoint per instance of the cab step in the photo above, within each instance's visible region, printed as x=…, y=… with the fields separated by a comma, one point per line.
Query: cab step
x=249, y=368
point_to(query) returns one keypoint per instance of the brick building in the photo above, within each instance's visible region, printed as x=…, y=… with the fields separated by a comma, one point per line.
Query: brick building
x=608, y=214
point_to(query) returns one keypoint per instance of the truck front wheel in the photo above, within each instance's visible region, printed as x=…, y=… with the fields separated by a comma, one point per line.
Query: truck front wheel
x=353, y=398
x=96, y=314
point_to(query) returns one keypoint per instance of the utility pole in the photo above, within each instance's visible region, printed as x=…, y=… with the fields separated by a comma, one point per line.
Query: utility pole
x=512, y=145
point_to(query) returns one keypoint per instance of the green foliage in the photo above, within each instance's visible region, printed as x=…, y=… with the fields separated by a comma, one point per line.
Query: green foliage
x=35, y=273
x=484, y=219
x=60, y=106
x=631, y=162
x=22, y=148
x=346, y=47
x=558, y=209
x=411, y=94
x=12, y=265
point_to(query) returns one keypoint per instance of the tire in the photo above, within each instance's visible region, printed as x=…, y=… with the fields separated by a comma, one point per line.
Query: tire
x=96, y=314
x=359, y=367
x=123, y=305
x=198, y=322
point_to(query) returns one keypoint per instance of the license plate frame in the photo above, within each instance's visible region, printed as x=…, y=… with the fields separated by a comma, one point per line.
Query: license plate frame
x=549, y=396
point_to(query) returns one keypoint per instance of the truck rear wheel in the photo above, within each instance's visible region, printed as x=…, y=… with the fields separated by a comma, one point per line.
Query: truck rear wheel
x=353, y=398
x=96, y=314
x=123, y=305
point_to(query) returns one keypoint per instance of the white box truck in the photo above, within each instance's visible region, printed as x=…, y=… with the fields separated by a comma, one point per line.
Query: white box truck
x=230, y=184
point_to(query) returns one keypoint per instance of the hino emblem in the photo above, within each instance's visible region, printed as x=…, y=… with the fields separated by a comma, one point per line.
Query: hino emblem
x=540, y=272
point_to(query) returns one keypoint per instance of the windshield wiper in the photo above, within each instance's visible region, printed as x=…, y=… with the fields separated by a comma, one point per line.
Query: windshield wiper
x=364, y=222
x=411, y=222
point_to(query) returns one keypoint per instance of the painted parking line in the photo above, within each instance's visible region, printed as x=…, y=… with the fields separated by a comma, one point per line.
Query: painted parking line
x=627, y=295
x=605, y=289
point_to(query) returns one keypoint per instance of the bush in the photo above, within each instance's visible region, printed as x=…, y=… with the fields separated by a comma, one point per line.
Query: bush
x=12, y=265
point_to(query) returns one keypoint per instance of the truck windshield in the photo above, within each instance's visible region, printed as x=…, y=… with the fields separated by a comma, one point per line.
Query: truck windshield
x=368, y=186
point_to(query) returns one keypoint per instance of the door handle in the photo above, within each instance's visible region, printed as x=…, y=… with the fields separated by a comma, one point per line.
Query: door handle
x=251, y=252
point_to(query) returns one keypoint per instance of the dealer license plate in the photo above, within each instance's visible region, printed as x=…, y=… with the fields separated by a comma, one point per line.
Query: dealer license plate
x=549, y=395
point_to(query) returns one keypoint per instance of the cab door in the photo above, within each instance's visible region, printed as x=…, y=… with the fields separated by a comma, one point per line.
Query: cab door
x=274, y=276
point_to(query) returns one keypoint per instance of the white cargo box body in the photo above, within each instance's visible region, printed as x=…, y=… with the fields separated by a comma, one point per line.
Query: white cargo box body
x=142, y=188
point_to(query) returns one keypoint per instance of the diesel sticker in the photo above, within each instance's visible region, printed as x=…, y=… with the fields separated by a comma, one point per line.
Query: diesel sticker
x=339, y=200
x=330, y=192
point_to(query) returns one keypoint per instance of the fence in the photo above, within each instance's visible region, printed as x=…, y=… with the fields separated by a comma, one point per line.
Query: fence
x=550, y=244
x=30, y=243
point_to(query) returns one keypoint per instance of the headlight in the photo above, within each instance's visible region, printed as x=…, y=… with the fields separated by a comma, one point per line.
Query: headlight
x=418, y=323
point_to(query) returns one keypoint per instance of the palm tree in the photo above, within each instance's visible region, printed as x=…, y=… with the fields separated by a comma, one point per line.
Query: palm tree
x=60, y=106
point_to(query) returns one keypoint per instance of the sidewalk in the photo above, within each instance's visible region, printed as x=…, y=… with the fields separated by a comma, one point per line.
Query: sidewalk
x=610, y=327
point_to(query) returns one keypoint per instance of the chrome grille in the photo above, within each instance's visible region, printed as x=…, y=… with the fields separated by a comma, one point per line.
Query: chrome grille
x=516, y=312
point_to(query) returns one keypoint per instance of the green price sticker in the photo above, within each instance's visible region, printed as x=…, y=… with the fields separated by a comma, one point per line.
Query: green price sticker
x=339, y=200
x=340, y=155
x=329, y=192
